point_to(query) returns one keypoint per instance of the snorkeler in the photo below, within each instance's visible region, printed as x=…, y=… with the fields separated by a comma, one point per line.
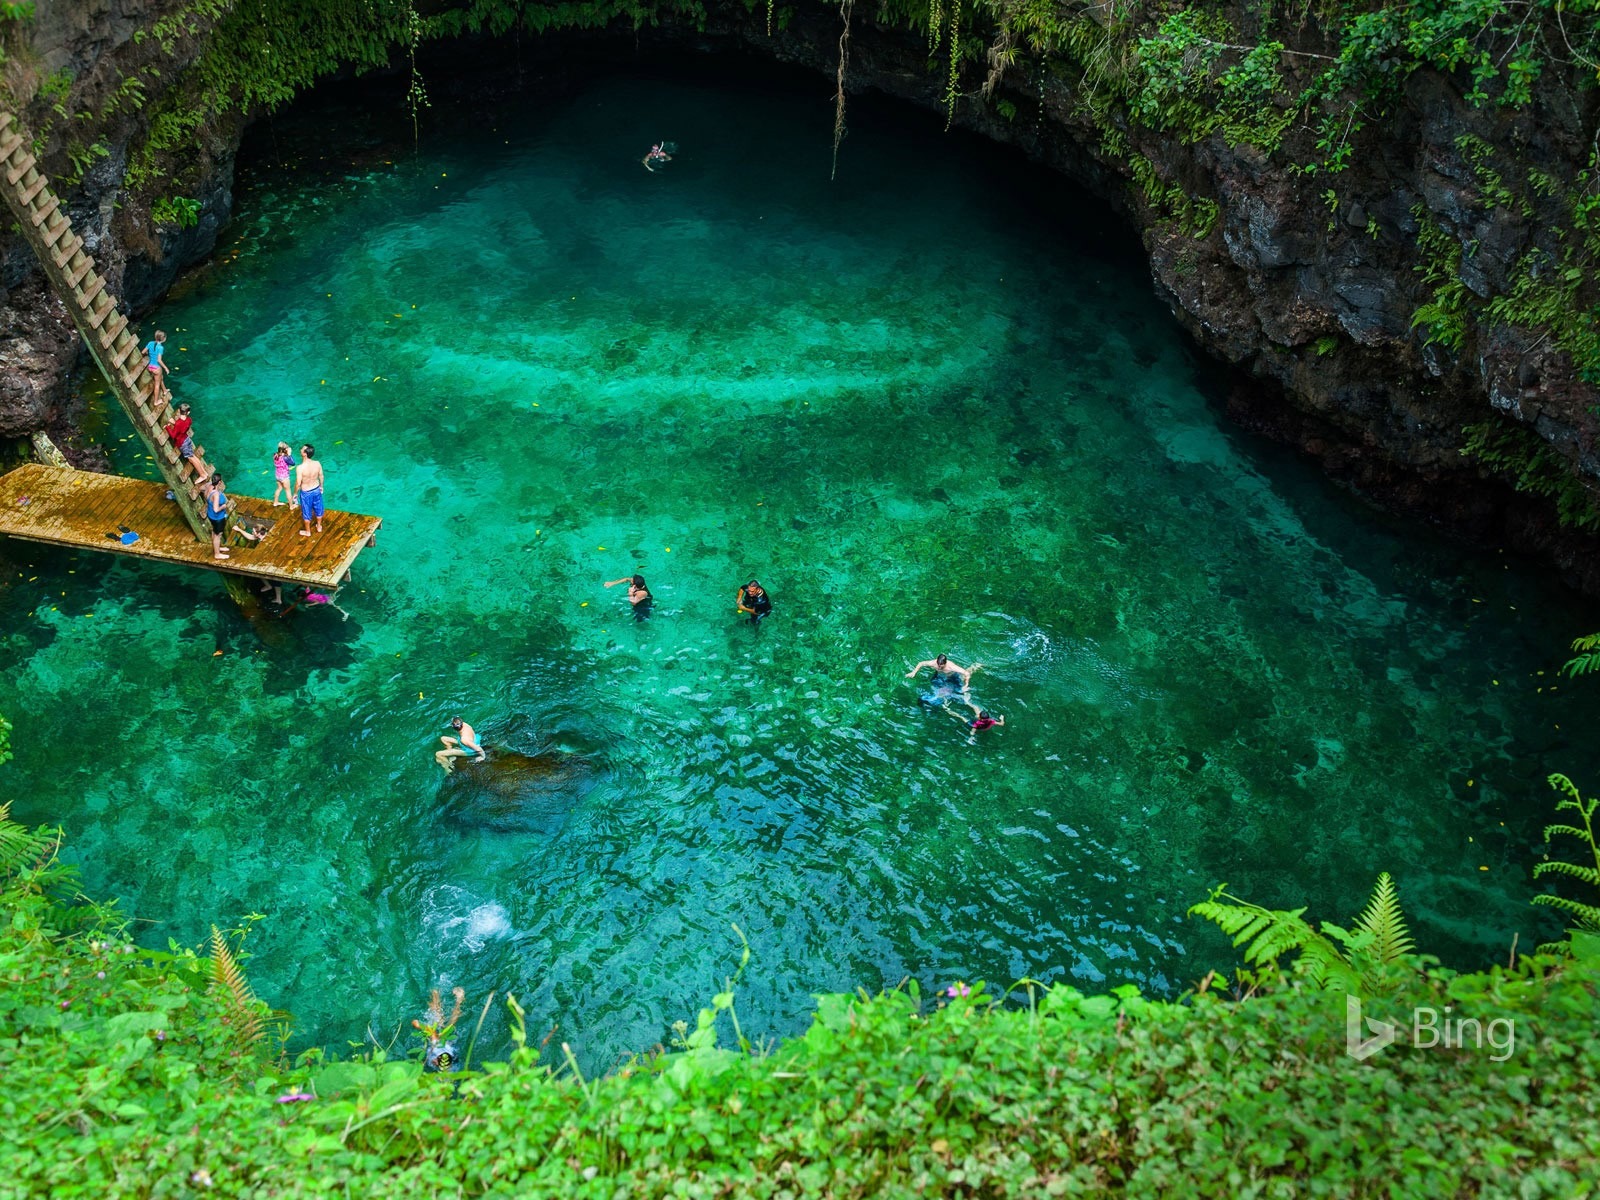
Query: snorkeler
x=467, y=747
x=638, y=595
x=754, y=600
x=658, y=156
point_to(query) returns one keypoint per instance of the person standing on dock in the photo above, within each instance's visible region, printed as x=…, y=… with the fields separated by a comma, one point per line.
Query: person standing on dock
x=308, y=485
x=282, y=460
x=217, y=514
x=153, y=351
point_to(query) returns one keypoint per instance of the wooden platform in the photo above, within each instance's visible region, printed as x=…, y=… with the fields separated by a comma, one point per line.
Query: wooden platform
x=77, y=509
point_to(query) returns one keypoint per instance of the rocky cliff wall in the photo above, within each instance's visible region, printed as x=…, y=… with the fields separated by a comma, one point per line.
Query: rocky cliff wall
x=1310, y=296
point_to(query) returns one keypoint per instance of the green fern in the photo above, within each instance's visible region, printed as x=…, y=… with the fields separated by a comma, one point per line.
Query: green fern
x=1329, y=956
x=1266, y=935
x=244, y=1010
x=1587, y=915
x=1385, y=923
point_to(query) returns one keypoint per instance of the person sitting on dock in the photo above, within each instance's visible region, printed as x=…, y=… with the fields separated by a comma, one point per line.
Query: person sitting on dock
x=308, y=486
x=467, y=747
x=217, y=514
x=153, y=351
x=178, y=431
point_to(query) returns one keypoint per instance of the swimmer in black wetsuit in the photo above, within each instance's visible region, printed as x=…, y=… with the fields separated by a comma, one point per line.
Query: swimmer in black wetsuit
x=754, y=600
x=638, y=595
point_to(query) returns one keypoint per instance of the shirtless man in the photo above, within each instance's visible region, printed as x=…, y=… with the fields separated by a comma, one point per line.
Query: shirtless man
x=308, y=486
x=945, y=673
x=467, y=747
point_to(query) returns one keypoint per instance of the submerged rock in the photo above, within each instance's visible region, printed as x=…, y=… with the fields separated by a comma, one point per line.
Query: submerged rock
x=516, y=792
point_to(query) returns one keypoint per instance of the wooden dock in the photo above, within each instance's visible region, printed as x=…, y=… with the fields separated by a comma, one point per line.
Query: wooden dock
x=77, y=509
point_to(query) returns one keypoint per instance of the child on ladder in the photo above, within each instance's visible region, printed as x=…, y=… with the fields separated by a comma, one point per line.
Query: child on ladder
x=153, y=351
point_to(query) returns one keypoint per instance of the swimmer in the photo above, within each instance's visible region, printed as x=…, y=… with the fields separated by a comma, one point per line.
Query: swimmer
x=946, y=673
x=983, y=720
x=754, y=600
x=638, y=595
x=308, y=597
x=658, y=155
x=467, y=747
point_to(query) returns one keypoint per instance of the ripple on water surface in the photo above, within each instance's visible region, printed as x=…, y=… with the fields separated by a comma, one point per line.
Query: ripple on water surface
x=933, y=411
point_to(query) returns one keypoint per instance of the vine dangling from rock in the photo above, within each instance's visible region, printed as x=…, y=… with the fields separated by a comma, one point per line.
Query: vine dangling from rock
x=845, y=9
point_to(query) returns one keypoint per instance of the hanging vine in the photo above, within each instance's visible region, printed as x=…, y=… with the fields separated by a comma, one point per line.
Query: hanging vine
x=416, y=92
x=953, y=37
x=769, y=18
x=845, y=9
x=935, y=23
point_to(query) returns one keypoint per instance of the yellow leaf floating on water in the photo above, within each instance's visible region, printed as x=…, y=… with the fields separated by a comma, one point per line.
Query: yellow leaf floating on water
x=585, y=604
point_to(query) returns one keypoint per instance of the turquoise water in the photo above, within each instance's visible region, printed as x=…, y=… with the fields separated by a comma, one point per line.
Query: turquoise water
x=934, y=406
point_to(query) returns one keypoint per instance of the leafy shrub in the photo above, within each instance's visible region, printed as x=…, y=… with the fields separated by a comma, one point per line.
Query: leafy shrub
x=127, y=1073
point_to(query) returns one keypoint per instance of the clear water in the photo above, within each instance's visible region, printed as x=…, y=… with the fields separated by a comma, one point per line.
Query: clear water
x=933, y=406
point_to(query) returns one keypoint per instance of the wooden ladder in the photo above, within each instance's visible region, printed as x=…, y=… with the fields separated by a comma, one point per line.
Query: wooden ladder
x=94, y=310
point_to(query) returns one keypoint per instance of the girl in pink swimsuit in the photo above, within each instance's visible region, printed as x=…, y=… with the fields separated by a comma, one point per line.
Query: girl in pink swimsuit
x=281, y=462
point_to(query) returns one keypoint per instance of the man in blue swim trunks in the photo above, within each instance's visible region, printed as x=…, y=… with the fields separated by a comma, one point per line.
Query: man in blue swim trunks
x=467, y=746
x=308, y=486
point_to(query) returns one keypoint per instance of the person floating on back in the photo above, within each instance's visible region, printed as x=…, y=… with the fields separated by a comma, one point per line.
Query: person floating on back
x=658, y=157
x=638, y=595
x=754, y=600
x=217, y=514
x=179, y=431
x=156, y=366
x=308, y=485
x=282, y=460
x=467, y=746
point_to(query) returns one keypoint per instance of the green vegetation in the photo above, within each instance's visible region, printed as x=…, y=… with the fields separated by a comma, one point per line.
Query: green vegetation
x=175, y=210
x=157, y=1073
x=1329, y=957
x=1586, y=913
x=1531, y=465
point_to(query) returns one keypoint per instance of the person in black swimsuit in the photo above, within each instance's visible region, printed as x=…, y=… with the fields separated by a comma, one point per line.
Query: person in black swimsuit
x=638, y=595
x=754, y=600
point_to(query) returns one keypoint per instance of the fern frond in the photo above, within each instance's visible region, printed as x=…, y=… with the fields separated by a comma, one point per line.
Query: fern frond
x=1589, y=875
x=1569, y=830
x=1566, y=787
x=19, y=846
x=244, y=1010
x=1325, y=967
x=1587, y=914
x=1385, y=921
x=1266, y=935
